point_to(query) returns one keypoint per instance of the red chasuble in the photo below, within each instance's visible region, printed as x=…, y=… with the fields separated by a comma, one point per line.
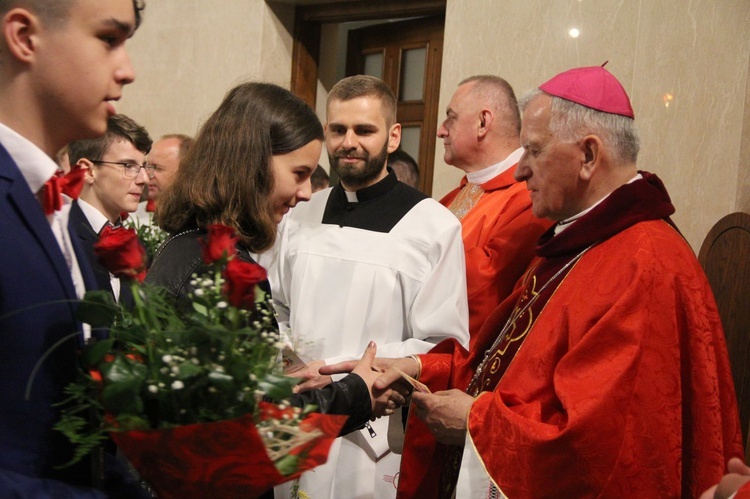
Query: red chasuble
x=621, y=386
x=499, y=233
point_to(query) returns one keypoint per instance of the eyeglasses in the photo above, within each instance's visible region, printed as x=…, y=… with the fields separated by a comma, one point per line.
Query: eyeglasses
x=130, y=170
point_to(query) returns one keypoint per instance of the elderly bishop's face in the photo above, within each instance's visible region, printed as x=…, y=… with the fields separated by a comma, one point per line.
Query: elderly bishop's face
x=549, y=166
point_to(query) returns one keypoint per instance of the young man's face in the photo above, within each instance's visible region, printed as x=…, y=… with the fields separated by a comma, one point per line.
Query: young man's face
x=109, y=189
x=81, y=66
x=358, y=140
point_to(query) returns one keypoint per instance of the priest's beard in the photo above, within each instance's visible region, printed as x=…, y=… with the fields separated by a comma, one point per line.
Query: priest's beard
x=354, y=176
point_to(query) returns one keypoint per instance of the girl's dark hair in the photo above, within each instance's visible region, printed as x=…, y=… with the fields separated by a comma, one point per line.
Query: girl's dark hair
x=226, y=176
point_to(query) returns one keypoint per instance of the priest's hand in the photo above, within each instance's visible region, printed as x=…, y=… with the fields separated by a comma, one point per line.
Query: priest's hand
x=739, y=475
x=313, y=378
x=390, y=389
x=445, y=414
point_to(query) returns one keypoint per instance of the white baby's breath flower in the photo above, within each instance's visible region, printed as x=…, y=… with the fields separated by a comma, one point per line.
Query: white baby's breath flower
x=195, y=361
x=166, y=359
x=199, y=292
x=153, y=388
x=177, y=385
x=222, y=304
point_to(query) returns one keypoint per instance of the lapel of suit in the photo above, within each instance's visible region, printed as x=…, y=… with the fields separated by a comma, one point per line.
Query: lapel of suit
x=29, y=211
x=81, y=229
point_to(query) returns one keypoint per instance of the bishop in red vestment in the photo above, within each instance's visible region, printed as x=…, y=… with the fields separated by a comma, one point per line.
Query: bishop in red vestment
x=605, y=373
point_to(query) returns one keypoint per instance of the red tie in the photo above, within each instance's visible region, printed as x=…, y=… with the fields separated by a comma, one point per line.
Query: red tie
x=69, y=184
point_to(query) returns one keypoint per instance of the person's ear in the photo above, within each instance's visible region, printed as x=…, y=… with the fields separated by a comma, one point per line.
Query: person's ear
x=394, y=137
x=485, y=120
x=591, y=154
x=20, y=28
x=90, y=173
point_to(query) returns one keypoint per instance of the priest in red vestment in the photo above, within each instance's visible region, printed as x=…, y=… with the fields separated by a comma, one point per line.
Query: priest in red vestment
x=481, y=137
x=605, y=373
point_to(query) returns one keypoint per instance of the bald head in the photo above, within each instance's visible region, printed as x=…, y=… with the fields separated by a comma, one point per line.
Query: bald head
x=482, y=123
x=165, y=156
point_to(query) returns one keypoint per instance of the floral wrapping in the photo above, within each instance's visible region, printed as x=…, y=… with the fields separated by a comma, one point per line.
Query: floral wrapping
x=224, y=459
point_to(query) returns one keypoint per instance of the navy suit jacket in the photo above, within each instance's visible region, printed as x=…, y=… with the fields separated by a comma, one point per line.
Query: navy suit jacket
x=37, y=318
x=88, y=237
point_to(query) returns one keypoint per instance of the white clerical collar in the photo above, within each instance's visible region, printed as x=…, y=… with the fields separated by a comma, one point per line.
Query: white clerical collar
x=96, y=218
x=564, y=224
x=487, y=174
x=35, y=166
x=351, y=196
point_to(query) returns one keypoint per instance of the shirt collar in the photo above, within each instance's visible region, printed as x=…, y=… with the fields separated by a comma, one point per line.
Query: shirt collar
x=96, y=219
x=564, y=224
x=374, y=191
x=35, y=166
x=486, y=174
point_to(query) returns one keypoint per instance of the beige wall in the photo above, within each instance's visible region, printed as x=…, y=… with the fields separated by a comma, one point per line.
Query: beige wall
x=697, y=51
x=189, y=53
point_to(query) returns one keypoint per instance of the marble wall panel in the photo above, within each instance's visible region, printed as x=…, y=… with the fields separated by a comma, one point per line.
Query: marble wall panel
x=690, y=55
x=188, y=53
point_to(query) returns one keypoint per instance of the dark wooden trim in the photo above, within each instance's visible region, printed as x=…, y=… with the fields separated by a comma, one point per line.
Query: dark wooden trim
x=367, y=10
x=305, y=53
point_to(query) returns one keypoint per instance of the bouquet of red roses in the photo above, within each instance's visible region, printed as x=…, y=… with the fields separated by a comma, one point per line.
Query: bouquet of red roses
x=180, y=390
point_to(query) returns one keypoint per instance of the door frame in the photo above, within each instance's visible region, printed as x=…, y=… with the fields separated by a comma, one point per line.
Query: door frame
x=308, y=20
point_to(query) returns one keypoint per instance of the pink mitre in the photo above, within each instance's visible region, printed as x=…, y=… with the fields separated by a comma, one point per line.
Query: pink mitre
x=593, y=87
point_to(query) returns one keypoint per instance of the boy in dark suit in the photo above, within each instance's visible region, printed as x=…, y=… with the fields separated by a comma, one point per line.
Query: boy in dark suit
x=116, y=175
x=62, y=63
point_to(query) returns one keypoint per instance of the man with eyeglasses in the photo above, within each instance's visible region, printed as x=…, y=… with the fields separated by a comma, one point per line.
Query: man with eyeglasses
x=116, y=175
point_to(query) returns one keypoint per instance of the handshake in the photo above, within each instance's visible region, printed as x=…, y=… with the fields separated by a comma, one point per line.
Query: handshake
x=392, y=383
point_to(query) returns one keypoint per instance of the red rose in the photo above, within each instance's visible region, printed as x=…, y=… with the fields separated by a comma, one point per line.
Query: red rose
x=241, y=278
x=221, y=244
x=120, y=251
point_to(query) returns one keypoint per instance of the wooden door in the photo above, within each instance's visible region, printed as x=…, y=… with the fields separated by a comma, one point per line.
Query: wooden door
x=406, y=55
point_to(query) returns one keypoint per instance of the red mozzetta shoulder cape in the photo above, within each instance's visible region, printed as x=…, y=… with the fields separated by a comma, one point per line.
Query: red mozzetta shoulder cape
x=499, y=234
x=622, y=387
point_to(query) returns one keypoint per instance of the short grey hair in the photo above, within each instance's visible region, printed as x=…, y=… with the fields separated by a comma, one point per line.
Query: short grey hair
x=497, y=93
x=572, y=121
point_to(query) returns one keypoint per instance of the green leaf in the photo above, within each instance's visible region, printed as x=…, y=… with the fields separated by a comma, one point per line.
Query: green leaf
x=123, y=370
x=98, y=308
x=277, y=387
x=221, y=380
x=188, y=371
x=96, y=352
x=287, y=464
x=123, y=397
x=201, y=309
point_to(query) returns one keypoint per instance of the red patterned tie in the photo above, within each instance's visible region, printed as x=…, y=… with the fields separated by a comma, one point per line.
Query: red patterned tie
x=69, y=184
